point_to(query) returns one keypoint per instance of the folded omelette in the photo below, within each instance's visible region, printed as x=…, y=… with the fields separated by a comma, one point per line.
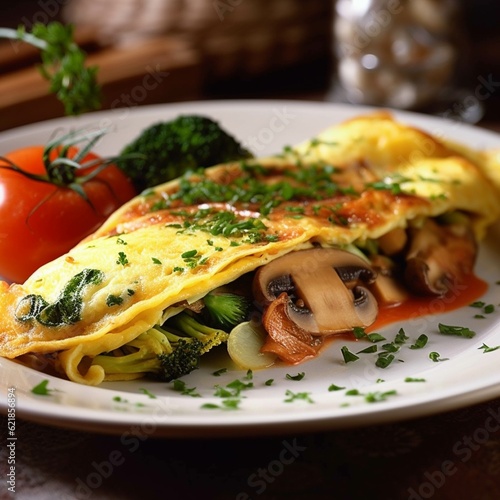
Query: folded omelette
x=370, y=187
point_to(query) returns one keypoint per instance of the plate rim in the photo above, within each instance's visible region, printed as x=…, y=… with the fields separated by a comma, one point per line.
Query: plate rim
x=221, y=428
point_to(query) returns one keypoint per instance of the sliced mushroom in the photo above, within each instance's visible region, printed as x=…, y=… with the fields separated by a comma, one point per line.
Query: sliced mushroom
x=286, y=339
x=324, y=287
x=388, y=287
x=439, y=257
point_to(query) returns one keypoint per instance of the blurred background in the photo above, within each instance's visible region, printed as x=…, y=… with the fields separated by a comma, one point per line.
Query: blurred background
x=434, y=56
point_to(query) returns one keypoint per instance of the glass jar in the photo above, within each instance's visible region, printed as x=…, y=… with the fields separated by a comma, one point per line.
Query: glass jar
x=396, y=53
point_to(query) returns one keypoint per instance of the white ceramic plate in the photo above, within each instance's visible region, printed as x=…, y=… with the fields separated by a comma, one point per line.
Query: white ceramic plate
x=468, y=376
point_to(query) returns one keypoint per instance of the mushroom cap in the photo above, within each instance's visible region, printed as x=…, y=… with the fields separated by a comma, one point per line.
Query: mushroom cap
x=439, y=257
x=325, y=287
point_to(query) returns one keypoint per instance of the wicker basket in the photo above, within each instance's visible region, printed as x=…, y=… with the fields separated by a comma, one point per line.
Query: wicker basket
x=233, y=37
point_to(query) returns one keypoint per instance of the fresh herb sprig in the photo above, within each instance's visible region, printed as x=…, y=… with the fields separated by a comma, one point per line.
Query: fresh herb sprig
x=63, y=65
x=64, y=158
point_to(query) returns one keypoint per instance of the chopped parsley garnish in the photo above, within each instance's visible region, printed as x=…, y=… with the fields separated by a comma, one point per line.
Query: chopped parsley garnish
x=42, y=389
x=295, y=209
x=391, y=347
x=401, y=337
x=375, y=397
x=478, y=304
x=122, y=259
x=148, y=393
x=436, y=357
x=180, y=386
x=458, y=331
x=359, y=332
x=333, y=387
x=384, y=360
x=411, y=379
x=348, y=355
x=230, y=394
x=229, y=225
x=392, y=184
x=252, y=188
x=352, y=392
x=114, y=300
x=486, y=348
x=420, y=342
x=487, y=308
x=226, y=404
x=371, y=397
x=297, y=377
x=368, y=350
x=219, y=372
x=156, y=261
x=193, y=259
x=233, y=389
x=298, y=396
x=375, y=337
x=394, y=188
x=237, y=386
x=189, y=254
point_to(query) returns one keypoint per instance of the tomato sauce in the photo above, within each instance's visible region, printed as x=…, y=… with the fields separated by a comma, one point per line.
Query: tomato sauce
x=461, y=295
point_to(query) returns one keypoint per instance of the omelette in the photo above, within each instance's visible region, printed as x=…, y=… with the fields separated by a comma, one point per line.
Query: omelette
x=367, y=212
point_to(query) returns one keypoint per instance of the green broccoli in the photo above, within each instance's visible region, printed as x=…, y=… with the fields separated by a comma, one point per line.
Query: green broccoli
x=225, y=310
x=166, y=352
x=169, y=149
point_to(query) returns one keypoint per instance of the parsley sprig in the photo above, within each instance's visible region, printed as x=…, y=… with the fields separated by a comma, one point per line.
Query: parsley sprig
x=63, y=65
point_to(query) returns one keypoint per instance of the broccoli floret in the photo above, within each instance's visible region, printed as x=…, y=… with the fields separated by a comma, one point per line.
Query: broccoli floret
x=166, y=150
x=182, y=360
x=225, y=310
x=166, y=352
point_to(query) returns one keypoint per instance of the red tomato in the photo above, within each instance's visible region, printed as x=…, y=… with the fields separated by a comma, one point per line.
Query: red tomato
x=40, y=221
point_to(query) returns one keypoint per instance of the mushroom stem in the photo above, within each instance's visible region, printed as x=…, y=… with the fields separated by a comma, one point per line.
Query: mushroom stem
x=315, y=288
x=388, y=287
x=323, y=287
